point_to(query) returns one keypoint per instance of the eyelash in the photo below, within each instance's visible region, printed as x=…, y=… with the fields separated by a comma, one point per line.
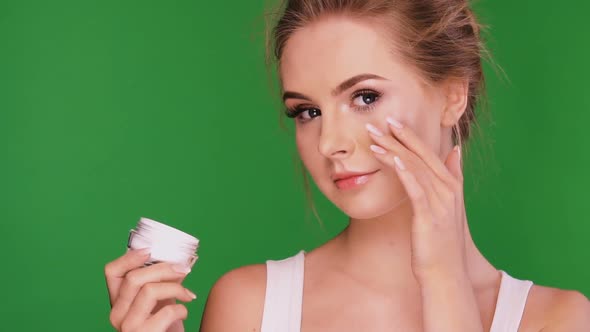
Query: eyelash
x=296, y=111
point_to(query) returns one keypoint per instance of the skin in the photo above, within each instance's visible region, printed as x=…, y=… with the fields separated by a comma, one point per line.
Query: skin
x=407, y=261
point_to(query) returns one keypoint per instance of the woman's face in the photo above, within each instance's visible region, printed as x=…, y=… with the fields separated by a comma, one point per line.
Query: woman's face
x=320, y=69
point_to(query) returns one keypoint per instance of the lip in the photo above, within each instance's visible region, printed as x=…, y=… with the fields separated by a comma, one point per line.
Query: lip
x=349, y=180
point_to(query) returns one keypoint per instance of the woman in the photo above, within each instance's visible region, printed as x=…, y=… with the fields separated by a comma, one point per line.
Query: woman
x=383, y=95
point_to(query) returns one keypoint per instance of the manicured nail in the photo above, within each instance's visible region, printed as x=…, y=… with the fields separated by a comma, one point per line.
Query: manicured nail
x=181, y=268
x=374, y=130
x=399, y=163
x=378, y=149
x=143, y=252
x=394, y=122
x=458, y=148
x=191, y=294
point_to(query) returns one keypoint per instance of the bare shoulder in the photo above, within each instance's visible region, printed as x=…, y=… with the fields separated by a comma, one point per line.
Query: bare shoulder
x=555, y=310
x=236, y=301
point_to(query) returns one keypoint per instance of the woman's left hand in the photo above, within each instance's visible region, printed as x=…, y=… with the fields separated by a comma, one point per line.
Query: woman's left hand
x=435, y=190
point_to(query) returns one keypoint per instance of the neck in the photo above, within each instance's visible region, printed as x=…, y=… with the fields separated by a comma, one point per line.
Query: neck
x=379, y=250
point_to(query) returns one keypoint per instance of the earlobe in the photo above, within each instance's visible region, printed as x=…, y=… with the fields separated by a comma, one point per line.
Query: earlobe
x=456, y=102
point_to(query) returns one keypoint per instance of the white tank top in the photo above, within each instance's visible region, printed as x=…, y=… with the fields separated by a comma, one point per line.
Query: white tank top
x=284, y=297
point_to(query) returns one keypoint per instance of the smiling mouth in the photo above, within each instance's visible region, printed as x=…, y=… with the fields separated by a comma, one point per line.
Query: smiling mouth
x=354, y=181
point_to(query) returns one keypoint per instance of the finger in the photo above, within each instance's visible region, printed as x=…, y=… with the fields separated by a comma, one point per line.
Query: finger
x=433, y=186
x=115, y=271
x=135, y=279
x=386, y=140
x=417, y=194
x=446, y=190
x=411, y=141
x=391, y=143
x=165, y=317
x=149, y=295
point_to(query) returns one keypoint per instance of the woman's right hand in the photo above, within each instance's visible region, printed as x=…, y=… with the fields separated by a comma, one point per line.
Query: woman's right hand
x=144, y=298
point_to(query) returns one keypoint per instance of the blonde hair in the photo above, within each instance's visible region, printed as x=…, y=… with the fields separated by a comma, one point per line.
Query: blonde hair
x=441, y=39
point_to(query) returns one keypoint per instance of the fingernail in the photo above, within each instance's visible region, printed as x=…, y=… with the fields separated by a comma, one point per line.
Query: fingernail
x=458, y=148
x=191, y=294
x=394, y=122
x=181, y=268
x=374, y=129
x=143, y=252
x=378, y=149
x=399, y=163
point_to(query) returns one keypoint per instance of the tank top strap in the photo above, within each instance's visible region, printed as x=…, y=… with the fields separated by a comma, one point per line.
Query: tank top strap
x=284, y=294
x=510, y=304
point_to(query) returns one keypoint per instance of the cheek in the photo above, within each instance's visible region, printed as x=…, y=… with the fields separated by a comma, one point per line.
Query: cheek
x=427, y=127
x=307, y=148
x=405, y=108
x=303, y=141
x=378, y=198
x=420, y=116
x=401, y=106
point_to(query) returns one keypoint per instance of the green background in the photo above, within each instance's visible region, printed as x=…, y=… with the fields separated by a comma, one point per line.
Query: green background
x=113, y=110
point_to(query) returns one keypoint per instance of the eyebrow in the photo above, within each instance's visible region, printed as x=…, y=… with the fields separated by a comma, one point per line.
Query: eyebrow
x=339, y=89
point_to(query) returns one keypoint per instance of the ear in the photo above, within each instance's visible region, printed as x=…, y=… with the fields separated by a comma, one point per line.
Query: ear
x=456, y=92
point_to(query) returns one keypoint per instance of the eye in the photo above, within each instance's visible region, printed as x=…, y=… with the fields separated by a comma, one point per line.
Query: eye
x=364, y=98
x=309, y=113
x=303, y=114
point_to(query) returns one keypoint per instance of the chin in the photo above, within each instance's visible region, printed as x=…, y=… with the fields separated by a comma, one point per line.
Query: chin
x=368, y=203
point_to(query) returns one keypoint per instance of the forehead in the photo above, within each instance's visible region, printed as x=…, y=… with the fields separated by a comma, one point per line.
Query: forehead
x=333, y=49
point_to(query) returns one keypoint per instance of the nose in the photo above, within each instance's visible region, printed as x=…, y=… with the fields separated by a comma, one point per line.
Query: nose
x=336, y=139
